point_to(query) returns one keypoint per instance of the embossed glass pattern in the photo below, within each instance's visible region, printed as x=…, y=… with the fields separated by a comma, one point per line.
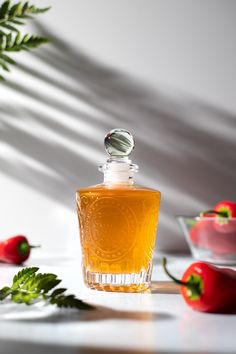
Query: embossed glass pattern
x=118, y=231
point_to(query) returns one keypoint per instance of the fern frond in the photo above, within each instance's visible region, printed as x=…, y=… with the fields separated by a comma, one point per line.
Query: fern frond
x=4, y=292
x=29, y=286
x=11, y=43
x=70, y=301
x=12, y=16
x=22, y=10
x=20, y=296
x=23, y=275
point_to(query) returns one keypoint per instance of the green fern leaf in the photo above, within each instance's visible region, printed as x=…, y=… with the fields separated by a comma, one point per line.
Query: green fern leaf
x=4, y=292
x=17, y=22
x=19, y=10
x=25, y=6
x=29, y=286
x=17, y=43
x=4, y=9
x=57, y=292
x=34, y=10
x=15, y=10
x=23, y=275
x=9, y=27
x=20, y=296
x=70, y=301
x=12, y=16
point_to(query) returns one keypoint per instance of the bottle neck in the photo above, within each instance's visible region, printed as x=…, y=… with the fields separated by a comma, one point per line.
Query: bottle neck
x=118, y=170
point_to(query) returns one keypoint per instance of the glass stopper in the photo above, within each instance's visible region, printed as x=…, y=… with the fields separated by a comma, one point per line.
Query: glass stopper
x=119, y=143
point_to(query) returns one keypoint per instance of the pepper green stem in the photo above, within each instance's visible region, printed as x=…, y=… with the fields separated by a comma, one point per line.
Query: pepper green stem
x=224, y=214
x=24, y=248
x=194, y=284
x=177, y=281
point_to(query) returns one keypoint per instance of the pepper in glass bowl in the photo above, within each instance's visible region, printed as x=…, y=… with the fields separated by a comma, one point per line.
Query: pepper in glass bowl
x=211, y=236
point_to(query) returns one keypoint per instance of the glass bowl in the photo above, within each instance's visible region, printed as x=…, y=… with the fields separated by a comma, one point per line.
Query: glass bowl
x=211, y=239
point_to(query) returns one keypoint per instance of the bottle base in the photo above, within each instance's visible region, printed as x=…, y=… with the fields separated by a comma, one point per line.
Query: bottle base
x=128, y=283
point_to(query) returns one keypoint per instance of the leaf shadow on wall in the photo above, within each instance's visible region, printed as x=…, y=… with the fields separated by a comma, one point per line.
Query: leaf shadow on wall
x=185, y=148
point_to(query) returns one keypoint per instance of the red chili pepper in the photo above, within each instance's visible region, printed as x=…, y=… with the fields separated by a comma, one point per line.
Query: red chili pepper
x=204, y=234
x=225, y=210
x=207, y=288
x=216, y=230
x=15, y=249
x=226, y=207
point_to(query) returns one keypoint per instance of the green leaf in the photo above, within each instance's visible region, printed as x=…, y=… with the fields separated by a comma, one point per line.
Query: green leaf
x=70, y=301
x=23, y=275
x=12, y=16
x=25, y=38
x=3, y=40
x=25, y=6
x=29, y=286
x=19, y=10
x=16, y=9
x=49, y=284
x=34, y=10
x=24, y=16
x=4, y=292
x=17, y=22
x=4, y=9
x=17, y=39
x=11, y=43
x=10, y=40
x=22, y=296
x=58, y=291
x=9, y=27
x=41, y=282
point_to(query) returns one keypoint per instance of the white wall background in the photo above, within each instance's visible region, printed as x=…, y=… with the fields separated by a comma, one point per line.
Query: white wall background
x=163, y=69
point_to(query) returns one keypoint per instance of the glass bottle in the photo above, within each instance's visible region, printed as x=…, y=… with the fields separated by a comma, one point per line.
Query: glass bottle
x=118, y=222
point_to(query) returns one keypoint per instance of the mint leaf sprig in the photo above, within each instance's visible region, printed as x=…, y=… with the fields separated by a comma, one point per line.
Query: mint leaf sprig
x=11, y=40
x=29, y=286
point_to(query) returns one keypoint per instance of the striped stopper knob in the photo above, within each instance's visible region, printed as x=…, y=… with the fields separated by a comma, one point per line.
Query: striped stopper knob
x=119, y=143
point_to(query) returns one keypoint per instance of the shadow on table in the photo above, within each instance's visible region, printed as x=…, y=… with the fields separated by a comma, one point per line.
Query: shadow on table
x=20, y=347
x=99, y=314
x=164, y=287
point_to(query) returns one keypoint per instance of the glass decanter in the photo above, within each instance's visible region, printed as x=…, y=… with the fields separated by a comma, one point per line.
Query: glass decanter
x=118, y=223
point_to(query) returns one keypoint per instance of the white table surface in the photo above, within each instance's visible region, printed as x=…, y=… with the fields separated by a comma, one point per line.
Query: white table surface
x=156, y=322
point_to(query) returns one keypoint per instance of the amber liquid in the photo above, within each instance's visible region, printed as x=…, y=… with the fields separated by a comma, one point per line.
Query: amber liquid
x=118, y=231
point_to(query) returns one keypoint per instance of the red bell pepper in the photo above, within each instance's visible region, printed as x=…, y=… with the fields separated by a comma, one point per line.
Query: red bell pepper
x=207, y=288
x=15, y=249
